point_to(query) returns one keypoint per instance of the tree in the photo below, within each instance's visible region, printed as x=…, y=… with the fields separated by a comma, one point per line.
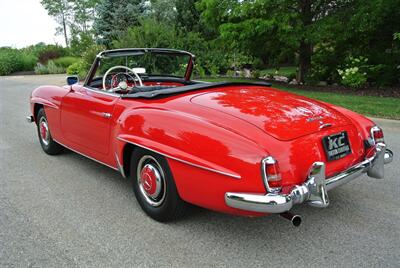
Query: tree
x=272, y=30
x=187, y=16
x=60, y=10
x=163, y=11
x=75, y=15
x=83, y=15
x=114, y=17
x=366, y=29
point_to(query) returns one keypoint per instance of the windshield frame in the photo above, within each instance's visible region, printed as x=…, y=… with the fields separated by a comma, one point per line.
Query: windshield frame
x=140, y=51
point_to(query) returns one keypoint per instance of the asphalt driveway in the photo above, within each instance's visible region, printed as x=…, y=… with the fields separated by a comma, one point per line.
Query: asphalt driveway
x=68, y=211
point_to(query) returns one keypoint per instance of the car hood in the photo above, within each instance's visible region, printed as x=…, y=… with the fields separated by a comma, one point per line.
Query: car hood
x=283, y=115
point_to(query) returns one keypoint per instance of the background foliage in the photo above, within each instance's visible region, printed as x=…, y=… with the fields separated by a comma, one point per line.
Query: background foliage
x=317, y=40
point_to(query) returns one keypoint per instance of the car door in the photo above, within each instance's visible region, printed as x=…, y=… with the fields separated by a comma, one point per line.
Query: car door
x=86, y=116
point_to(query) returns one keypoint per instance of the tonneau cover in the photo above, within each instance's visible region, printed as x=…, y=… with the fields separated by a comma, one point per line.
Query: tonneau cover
x=202, y=85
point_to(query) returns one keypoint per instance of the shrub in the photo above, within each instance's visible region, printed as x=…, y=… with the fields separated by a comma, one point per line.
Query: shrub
x=90, y=54
x=79, y=68
x=41, y=69
x=50, y=52
x=352, y=77
x=14, y=60
x=8, y=61
x=28, y=61
x=355, y=72
x=65, y=61
x=54, y=69
x=50, y=68
x=256, y=74
x=325, y=61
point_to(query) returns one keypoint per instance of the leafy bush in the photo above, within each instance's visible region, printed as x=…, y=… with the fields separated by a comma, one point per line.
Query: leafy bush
x=352, y=77
x=41, y=69
x=79, y=43
x=14, y=60
x=90, y=54
x=82, y=66
x=50, y=68
x=8, y=61
x=54, y=69
x=324, y=64
x=79, y=68
x=355, y=72
x=28, y=61
x=65, y=61
x=50, y=52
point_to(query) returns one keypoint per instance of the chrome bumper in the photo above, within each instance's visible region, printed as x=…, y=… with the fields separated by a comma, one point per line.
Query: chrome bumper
x=314, y=190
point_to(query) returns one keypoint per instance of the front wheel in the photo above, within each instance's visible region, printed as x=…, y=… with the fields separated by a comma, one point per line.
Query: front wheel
x=154, y=186
x=49, y=145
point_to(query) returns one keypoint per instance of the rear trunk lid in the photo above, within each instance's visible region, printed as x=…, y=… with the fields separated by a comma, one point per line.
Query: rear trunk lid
x=283, y=115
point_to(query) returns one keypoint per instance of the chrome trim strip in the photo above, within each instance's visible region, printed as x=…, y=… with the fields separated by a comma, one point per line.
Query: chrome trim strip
x=325, y=125
x=102, y=92
x=183, y=161
x=120, y=167
x=91, y=158
x=314, y=190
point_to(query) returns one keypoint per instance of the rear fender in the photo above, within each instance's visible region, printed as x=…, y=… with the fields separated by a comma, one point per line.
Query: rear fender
x=206, y=159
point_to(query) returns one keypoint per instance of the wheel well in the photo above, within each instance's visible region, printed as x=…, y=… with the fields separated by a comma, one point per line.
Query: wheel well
x=127, y=153
x=36, y=109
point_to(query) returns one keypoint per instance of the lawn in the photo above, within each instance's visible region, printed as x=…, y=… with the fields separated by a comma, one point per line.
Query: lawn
x=383, y=107
x=284, y=71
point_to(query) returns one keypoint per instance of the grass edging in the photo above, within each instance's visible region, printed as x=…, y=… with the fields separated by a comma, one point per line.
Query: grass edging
x=382, y=107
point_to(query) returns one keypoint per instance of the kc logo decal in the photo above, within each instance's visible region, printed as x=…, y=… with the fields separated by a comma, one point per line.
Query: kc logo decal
x=336, y=142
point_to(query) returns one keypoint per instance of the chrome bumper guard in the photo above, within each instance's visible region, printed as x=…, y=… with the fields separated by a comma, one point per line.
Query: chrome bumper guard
x=314, y=190
x=29, y=119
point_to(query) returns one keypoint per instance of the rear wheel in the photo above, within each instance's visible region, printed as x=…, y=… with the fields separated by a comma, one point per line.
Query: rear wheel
x=154, y=186
x=49, y=146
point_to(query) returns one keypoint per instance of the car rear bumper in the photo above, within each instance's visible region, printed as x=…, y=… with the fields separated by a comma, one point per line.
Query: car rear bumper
x=314, y=190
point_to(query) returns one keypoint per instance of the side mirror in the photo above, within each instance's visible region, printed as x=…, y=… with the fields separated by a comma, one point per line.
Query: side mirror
x=72, y=80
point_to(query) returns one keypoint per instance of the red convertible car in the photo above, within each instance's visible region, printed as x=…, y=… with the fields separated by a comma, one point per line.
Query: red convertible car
x=239, y=148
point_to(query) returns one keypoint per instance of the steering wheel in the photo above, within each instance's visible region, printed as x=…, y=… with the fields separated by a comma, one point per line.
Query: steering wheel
x=121, y=85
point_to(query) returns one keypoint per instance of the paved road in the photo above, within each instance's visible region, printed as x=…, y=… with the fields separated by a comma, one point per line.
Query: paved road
x=68, y=211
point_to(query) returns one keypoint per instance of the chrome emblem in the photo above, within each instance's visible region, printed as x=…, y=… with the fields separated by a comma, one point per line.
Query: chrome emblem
x=312, y=119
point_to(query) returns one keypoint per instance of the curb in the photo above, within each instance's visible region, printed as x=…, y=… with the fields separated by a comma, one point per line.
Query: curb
x=386, y=123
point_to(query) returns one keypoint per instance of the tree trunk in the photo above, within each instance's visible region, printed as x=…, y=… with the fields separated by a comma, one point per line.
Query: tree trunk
x=65, y=30
x=305, y=49
x=304, y=60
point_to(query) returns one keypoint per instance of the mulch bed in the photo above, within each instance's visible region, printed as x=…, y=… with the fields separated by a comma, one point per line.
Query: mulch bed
x=393, y=92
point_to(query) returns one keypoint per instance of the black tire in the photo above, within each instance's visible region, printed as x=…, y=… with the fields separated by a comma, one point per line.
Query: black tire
x=167, y=206
x=49, y=146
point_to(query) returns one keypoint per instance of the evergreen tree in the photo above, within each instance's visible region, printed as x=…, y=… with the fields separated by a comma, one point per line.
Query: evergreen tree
x=114, y=17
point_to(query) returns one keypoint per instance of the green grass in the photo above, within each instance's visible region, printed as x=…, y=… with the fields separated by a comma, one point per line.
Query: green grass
x=383, y=107
x=285, y=71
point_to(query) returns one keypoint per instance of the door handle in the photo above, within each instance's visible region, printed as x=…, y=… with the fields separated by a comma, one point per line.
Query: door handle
x=106, y=115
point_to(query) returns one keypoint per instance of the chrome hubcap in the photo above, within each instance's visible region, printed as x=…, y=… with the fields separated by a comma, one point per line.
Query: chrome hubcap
x=151, y=180
x=44, y=131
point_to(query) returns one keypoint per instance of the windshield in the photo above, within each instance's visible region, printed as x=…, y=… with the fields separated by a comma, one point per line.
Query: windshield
x=152, y=63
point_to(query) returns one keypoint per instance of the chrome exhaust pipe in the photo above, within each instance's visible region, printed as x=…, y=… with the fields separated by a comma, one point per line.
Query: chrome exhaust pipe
x=293, y=218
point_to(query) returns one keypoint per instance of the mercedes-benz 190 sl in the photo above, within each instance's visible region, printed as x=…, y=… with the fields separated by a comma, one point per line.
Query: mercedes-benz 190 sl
x=239, y=148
